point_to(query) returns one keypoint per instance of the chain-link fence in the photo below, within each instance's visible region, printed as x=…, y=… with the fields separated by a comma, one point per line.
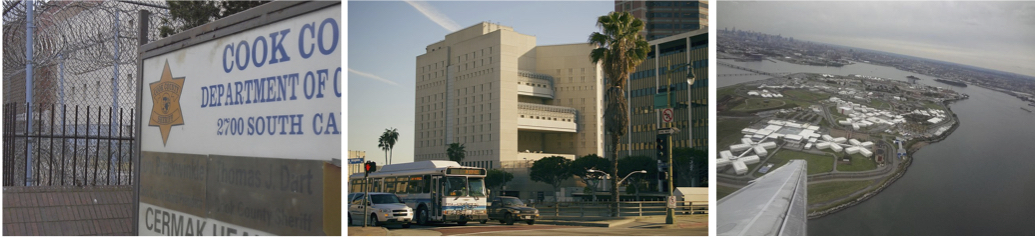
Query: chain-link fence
x=84, y=54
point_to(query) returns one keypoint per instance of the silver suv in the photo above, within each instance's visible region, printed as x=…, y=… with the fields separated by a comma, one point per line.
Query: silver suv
x=382, y=209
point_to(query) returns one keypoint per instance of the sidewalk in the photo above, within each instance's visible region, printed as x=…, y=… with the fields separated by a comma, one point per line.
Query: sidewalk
x=681, y=221
x=367, y=231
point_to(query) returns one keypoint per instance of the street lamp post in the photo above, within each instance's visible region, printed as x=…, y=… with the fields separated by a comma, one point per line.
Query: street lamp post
x=617, y=207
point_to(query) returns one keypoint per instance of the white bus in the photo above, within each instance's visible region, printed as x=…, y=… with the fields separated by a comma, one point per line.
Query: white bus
x=438, y=191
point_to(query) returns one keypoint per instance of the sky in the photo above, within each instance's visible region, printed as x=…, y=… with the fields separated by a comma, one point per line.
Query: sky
x=385, y=38
x=993, y=35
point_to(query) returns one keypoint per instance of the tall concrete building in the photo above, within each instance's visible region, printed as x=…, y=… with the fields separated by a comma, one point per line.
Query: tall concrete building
x=667, y=18
x=507, y=100
x=666, y=68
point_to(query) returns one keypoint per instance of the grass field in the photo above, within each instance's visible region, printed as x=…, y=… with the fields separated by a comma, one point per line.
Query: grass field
x=806, y=96
x=752, y=104
x=823, y=192
x=725, y=91
x=933, y=105
x=723, y=191
x=879, y=104
x=859, y=163
x=816, y=163
x=728, y=131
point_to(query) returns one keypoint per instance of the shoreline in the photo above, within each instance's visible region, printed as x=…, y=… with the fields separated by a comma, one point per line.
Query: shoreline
x=905, y=167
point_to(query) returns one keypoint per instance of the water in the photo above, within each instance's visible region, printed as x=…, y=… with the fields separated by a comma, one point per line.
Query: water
x=978, y=181
x=784, y=67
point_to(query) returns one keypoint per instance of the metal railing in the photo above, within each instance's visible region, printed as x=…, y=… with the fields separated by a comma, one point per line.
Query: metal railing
x=560, y=210
x=66, y=145
x=547, y=112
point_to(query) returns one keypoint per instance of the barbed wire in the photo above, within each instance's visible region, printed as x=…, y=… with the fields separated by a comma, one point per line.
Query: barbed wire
x=77, y=46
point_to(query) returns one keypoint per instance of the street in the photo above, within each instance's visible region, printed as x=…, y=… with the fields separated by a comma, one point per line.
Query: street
x=686, y=225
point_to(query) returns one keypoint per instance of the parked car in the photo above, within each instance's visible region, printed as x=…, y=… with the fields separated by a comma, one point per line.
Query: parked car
x=382, y=209
x=510, y=209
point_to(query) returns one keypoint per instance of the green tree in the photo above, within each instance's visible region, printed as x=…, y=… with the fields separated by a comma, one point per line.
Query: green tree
x=691, y=167
x=551, y=170
x=628, y=165
x=620, y=48
x=456, y=152
x=191, y=14
x=495, y=179
x=592, y=161
x=389, y=138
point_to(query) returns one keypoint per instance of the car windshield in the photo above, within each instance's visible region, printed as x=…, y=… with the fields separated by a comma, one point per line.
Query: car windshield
x=456, y=186
x=477, y=187
x=512, y=202
x=384, y=199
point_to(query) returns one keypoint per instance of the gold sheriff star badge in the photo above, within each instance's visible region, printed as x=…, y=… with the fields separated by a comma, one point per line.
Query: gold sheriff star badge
x=165, y=93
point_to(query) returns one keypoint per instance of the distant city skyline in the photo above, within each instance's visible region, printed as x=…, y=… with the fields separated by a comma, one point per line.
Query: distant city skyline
x=384, y=39
x=992, y=35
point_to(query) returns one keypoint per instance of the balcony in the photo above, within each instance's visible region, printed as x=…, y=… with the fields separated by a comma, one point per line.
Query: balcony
x=538, y=117
x=535, y=84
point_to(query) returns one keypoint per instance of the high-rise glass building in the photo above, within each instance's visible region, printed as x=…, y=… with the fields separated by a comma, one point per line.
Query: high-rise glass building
x=666, y=68
x=667, y=18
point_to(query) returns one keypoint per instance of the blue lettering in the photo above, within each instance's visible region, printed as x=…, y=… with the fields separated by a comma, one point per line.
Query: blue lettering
x=301, y=39
x=238, y=85
x=309, y=77
x=337, y=78
x=270, y=90
x=278, y=46
x=332, y=123
x=220, y=95
x=296, y=122
x=334, y=43
x=316, y=129
x=260, y=121
x=283, y=123
x=255, y=44
x=259, y=88
x=322, y=81
x=204, y=100
x=293, y=80
x=251, y=125
x=228, y=49
x=248, y=91
x=229, y=95
x=246, y=56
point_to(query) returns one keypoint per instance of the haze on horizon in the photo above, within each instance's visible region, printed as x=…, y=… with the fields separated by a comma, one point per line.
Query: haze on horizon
x=992, y=35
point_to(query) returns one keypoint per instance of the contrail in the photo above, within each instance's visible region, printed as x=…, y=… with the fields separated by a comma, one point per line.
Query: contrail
x=372, y=76
x=434, y=15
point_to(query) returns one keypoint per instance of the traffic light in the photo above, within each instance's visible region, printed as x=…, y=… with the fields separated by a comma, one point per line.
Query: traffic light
x=662, y=146
x=370, y=167
x=662, y=175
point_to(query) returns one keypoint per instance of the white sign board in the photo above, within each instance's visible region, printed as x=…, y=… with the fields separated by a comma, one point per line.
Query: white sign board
x=272, y=91
x=238, y=132
x=671, y=202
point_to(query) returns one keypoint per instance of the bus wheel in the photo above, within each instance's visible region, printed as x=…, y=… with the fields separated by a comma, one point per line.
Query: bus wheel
x=422, y=216
x=461, y=223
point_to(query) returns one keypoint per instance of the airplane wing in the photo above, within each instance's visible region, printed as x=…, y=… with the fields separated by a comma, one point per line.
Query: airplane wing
x=773, y=205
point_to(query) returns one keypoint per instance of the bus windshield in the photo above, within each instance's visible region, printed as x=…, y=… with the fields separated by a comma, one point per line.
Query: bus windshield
x=477, y=187
x=456, y=186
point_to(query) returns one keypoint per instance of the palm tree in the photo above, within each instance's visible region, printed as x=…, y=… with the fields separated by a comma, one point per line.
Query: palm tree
x=456, y=152
x=387, y=140
x=620, y=49
x=382, y=143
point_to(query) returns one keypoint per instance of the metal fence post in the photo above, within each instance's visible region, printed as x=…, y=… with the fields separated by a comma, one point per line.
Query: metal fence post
x=28, y=89
x=143, y=20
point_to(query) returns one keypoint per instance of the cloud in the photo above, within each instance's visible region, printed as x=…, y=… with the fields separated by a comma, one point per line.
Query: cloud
x=372, y=76
x=435, y=15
